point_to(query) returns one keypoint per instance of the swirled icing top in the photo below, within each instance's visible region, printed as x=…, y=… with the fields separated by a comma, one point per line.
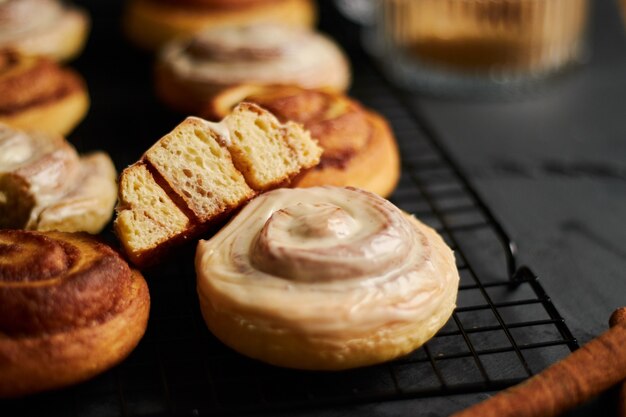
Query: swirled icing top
x=264, y=54
x=41, y=27
x=335, y=263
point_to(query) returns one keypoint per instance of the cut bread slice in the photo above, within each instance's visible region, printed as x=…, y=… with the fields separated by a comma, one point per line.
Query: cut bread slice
x=190, y=179
x=147, y=218
x=267, y=152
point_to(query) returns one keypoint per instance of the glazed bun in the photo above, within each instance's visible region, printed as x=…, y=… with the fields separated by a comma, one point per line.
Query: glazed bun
x=70, y=308
x=189, y=73
x=43, y=27
x=46, y=185
x=325, y=278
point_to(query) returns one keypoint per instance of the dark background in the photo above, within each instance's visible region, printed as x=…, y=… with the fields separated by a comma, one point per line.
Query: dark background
x=552, y=167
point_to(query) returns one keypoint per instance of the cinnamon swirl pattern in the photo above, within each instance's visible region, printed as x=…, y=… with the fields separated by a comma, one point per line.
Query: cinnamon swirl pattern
x=325, y=278
x=152, y=23
x=359, y=147
x=46, y=185
x=43, y=27
x=190, y=72
x=70, y=307
x=38, y=94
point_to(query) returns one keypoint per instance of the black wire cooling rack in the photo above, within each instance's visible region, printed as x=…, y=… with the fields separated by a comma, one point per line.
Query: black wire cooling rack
x=504, y=329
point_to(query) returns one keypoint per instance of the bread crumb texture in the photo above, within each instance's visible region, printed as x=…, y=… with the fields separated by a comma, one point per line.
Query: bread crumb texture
x=200, y=171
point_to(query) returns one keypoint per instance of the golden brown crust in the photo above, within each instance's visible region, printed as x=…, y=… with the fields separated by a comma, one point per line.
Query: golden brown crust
x=359, y=146
x=152, y=23
x=71, y=308
x=37, y=94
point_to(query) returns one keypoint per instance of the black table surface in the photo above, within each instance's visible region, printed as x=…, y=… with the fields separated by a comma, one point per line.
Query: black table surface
x=552, y=167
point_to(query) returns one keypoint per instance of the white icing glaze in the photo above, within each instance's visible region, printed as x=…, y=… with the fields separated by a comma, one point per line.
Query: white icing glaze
x=335, y=263
x=46, y=164
x=220, y=128
x=257, y=54
x=18, y=17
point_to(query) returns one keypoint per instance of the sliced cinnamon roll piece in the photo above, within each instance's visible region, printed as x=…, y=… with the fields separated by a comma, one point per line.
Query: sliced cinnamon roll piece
x=37, y=94
x=43, y=27
x=152, y=23
x=325, y=278
x=189, y=73
x=359, y=146
x=196, y=175
x=46, y=185
x=70, y=308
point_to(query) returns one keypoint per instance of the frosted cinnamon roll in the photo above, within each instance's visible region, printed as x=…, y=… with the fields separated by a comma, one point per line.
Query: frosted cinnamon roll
x=70, y=308
x=325, y=278
x=152, y=23
x=359, y=147
x=46, y=185
x=37, y=94
x=190, y=72
x=43, y=27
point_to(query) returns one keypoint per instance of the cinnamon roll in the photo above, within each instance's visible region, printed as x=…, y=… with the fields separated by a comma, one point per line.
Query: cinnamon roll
x=325, y=278
x=152, y=23
x=46, y=185
x=190, y=72
x=194, y=176
x=359, y=147
x=37, y=94
x=43, y=27
x=70, y=308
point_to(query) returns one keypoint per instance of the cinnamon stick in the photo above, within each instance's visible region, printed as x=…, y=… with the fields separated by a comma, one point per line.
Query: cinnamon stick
x=583, y=374
x=619, y=317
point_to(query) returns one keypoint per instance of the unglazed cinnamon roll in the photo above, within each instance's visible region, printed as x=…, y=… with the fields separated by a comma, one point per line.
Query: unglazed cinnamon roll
x=43, y=27
x=70, y=308
x=359, y=147
x=152, y=23
x=37, y=94
x=45, y=185
x=190, y=72
x=325, y=278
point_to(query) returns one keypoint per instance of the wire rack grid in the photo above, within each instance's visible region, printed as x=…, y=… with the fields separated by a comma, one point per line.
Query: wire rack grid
x=504, y=329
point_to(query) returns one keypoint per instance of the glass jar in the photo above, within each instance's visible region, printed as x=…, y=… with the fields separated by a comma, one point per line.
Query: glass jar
x=478, y=46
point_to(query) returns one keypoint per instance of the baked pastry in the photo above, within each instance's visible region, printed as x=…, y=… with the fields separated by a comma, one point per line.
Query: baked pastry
x=325, y=278
x=70, y=308
x=201, y=171
x=43, y=27
x=359, y=147
x=46, y=185
x=152, y=23
x=189, y=72
x=38, y=94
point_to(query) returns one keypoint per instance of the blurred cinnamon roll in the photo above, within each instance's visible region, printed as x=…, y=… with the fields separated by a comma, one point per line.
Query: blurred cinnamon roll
x=70, y=308
x=189, y=73
x=325, y=278
x=359, y=147
x=37, y=94
x=43, y=27
x=152, y=23
x=45, y=185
